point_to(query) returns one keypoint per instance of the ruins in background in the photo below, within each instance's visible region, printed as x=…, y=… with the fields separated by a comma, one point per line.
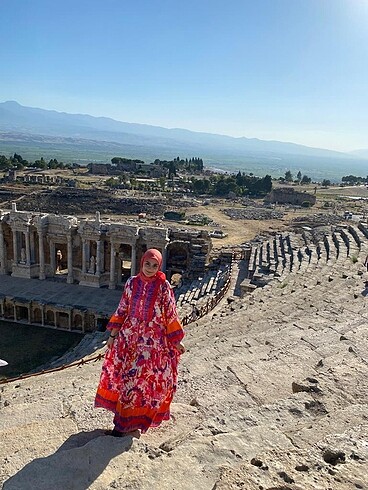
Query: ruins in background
x=88, y=252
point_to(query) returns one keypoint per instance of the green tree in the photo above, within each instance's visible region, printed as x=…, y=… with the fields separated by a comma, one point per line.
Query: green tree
x=172, y=170
x=162, y=182
x=201, y=186
x=352, y=179
x=112, y=182
x=267, y=184
x=288, y=176
x=5, y=163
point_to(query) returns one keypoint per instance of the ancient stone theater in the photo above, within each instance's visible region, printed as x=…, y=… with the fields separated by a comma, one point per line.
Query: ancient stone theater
x=89, y=252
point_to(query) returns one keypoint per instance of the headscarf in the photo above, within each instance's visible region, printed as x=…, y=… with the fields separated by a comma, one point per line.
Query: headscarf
x=152, y=254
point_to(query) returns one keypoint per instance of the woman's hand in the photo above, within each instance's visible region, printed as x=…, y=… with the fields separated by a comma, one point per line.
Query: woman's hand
x=109, y=342
x=180, y=347
x=112, y=337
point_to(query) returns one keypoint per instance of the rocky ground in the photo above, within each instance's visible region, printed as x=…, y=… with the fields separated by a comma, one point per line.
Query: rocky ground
x=272, y=395
x=79, y=201
x=250, y=213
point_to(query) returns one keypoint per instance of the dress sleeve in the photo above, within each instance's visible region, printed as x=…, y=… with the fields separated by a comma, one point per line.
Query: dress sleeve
x=121, y=312
x=174, y=330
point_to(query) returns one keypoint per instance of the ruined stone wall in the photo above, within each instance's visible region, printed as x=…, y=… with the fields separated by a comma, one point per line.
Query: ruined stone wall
x=188, y=252
x=91, y=252
x=287, y=195
x=86, y=201
x=48, y=315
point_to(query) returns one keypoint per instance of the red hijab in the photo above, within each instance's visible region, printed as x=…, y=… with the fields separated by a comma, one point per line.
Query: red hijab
x=152, y=254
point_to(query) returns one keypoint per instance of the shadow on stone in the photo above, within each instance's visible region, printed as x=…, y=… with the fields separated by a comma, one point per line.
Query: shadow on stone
x=243, y=274
x=75, y=465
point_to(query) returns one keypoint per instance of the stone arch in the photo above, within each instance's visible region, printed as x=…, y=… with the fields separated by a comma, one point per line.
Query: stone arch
x=61, y=258
x=22, y=313
x=37, y=315
x=50, y=318
x=177, y=257
x=63, y=320
x=125, y=258
x=9, y=310
x=78, y=322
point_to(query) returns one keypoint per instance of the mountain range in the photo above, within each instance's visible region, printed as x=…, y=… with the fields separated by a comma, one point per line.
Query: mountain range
x=37, y=132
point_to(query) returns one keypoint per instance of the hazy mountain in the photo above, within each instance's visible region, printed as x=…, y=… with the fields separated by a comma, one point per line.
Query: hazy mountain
x=76, y=135
x=14, y=117
x=360, y=153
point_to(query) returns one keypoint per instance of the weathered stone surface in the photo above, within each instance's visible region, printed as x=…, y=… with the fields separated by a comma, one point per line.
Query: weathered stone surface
x=237, y=424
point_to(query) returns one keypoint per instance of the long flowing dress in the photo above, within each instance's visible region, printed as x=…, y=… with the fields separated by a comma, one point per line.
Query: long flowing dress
x=139, y=373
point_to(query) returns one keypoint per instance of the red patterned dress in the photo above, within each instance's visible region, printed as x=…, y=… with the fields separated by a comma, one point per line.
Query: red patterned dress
x=139, y=373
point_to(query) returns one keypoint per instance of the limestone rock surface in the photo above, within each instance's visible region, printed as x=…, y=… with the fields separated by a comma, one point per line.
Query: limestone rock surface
x=272, y=395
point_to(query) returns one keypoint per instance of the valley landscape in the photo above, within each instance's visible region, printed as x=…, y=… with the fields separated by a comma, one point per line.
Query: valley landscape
x=272, y=390
x=231, y=137
x=82, y=138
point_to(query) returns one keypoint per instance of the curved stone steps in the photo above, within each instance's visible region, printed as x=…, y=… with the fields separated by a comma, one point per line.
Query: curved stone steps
x=356, y=235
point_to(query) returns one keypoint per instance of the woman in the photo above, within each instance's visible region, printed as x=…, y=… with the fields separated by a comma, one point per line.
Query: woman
x=139, y=374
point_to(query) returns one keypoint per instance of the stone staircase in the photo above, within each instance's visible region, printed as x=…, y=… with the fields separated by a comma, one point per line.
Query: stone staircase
x=300, y=253
x=199, y=291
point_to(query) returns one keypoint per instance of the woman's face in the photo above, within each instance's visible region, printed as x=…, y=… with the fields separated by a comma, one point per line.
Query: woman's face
x=150, y=267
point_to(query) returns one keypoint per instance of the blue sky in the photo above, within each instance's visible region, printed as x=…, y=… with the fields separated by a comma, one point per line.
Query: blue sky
x=289, y=70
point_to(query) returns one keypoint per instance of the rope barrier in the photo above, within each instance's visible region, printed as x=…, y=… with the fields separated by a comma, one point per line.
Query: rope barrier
x=46, y=371
x=210, y=304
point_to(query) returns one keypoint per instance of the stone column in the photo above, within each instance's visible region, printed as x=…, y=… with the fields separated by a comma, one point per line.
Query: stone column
x=28, y=248
x=102, y=263
x=112, y=283
x=164, y=259
x=98, y=257
x=2, y=251
x=15, y=247
x=15, y=312
x=52, y=257
x=70, y=279
x=33, y=247
x=41, y=253
x=133, y=260
x=84, y=255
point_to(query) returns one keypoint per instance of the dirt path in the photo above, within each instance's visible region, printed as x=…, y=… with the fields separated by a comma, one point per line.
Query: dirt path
x=238, y=231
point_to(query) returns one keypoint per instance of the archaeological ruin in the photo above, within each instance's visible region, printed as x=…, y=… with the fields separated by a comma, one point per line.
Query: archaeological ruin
x=88, y=252
x=288, y=195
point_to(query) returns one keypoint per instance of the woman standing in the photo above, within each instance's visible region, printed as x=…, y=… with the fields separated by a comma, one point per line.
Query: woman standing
x=139, y=373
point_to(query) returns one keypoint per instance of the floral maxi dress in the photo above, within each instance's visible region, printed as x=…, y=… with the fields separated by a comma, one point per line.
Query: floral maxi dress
x=139, y=373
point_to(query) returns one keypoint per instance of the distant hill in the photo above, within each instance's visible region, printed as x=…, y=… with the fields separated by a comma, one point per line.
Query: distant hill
x=360, y=153
x=79, y=137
